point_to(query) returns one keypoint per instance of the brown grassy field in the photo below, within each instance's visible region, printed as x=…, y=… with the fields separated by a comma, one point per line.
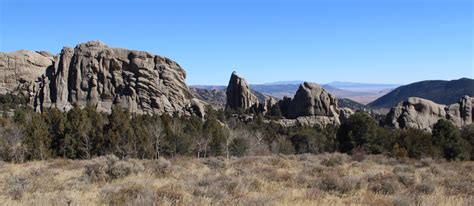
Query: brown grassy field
x=326, y=179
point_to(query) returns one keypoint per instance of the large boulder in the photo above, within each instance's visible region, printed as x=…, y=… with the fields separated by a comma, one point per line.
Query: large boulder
x=422, y=114
x=312, y=100
x=97, y=75
x=312, y=105
x=239, y=95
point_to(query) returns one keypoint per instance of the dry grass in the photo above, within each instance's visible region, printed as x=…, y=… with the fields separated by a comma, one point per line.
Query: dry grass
x=326, y=179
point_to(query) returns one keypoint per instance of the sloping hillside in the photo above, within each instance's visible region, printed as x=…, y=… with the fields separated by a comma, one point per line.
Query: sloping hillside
x=439, y=91
x=356, y=106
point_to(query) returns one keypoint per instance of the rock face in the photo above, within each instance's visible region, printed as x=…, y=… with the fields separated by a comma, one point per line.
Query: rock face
x=422, y=114
x=21, y=68
x=94, y=74
x=312, y=100
x=313, y=105
x=239, y=95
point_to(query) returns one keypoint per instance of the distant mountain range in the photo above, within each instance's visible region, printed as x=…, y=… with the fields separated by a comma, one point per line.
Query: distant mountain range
x=354, y=86
x=357, y=92
x=439, y=91
x=297, y=82
x=358, y=95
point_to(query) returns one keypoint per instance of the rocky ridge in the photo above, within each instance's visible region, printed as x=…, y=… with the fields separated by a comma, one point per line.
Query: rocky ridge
x=97, y=75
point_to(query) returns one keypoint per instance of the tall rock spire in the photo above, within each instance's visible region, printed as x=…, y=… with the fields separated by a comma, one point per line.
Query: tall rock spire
x=239, y=95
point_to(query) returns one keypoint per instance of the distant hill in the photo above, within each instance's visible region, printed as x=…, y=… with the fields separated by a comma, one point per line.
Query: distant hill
x=276, y=90
x=344, y=102
x=439, y=91
x=355, y=86
x=215, y=97
x=297, y=82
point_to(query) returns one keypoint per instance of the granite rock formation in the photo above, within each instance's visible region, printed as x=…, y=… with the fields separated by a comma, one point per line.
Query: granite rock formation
x=21, y=68
x=311, y=105
x=239, y=95
x=97, y=75
x=422, y=114
x=312, y=100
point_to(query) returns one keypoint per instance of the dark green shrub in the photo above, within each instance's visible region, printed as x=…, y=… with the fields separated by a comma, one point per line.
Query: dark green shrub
x=467, y=133
x=448, y=138
x=239, y=147
x=417, y=143
x=359, y=130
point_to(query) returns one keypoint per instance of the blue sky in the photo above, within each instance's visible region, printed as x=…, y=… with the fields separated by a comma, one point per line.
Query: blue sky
x=374, y=41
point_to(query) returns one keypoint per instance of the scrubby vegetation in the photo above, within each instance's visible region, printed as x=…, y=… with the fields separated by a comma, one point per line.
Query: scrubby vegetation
x=86, y=157
x=324, y=179
x=85, y=133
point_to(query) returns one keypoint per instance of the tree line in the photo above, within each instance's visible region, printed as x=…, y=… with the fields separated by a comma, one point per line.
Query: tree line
x=85, y=133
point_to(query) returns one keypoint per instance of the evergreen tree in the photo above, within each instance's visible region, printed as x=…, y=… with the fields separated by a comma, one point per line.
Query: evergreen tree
x=77, y=144
x=119, y=134
x=448, y=138
x=96, y=135
x=38, y=139
x=57, y=124
x=215, y=133
x=417, y=143
x=467, y=134
x=239, y=147
x=359, y=130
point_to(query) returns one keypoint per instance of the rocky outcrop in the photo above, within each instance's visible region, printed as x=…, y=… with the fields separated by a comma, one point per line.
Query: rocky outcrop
x=345, y=113
x=422, y=114
x=239, y=95
x=311, y=105
x=312, y=100
x=97, y=75
x=321, y=121
x=20, y=69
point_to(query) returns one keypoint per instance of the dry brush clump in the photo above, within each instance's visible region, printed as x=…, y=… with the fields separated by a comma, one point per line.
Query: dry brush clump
x=325, y=179
x=110, y=167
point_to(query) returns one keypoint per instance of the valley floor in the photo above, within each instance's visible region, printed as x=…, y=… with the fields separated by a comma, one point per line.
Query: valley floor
x=326, y=179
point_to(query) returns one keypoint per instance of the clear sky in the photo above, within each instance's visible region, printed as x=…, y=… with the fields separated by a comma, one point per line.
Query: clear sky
x=374, y=41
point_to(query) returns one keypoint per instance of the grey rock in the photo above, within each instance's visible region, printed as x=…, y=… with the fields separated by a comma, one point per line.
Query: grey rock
x=312, y=100
x=239, y=95
x=312, y=105
x=422, y=114
x=321, y=121
x=344, y=114
x=20, y=69
x=97, y=75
